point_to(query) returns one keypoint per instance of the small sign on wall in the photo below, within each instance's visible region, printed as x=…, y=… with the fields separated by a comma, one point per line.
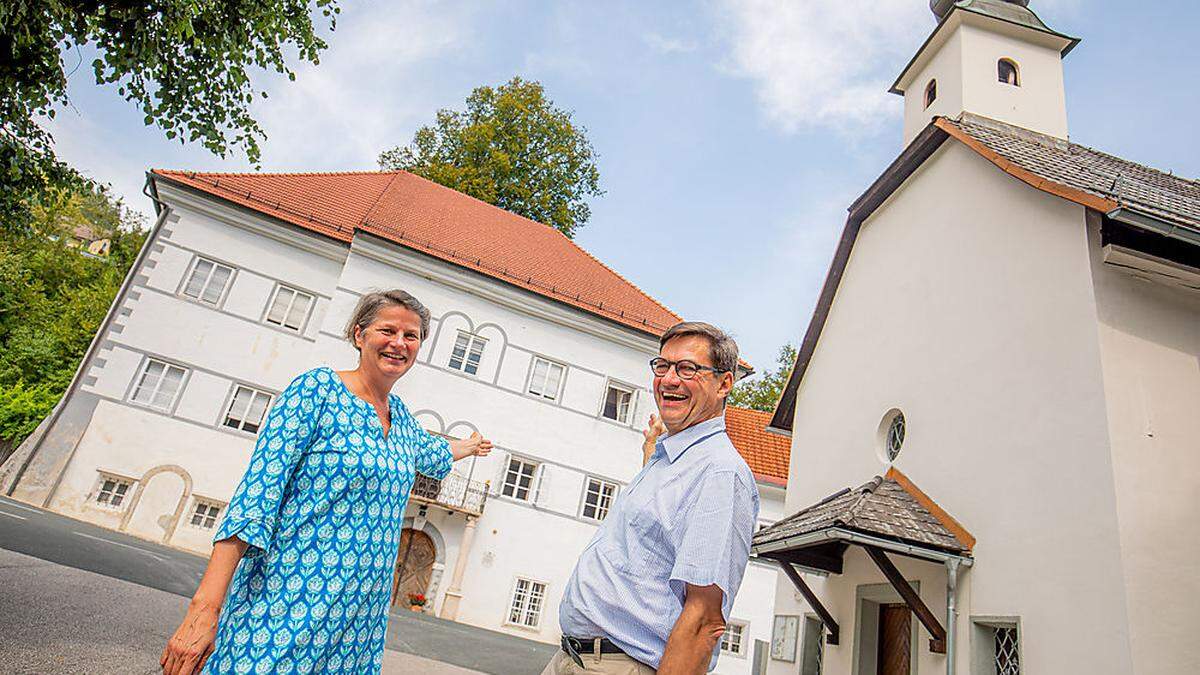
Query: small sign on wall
x=783, y=638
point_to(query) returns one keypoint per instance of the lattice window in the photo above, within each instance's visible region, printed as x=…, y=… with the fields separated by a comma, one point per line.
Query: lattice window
x=598, y=498
x=526, y=607
x=289, y=308
x=207, y=281
x=467, y=353
x=246, y=409
x=112, y=491
x=812, y=653
x=733, y=640
x=895, y=436
x=158, y=384
x=546, y=378
x=1008, y=661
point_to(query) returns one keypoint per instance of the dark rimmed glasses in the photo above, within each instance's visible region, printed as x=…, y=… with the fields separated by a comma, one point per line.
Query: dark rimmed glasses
x=685, y=369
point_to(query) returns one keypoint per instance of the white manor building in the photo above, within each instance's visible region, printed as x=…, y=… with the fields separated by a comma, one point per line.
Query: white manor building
x=995, y=411
x=246, y=280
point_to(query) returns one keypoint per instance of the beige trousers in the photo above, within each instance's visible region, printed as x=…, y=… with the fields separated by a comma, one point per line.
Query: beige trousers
x=602, y=664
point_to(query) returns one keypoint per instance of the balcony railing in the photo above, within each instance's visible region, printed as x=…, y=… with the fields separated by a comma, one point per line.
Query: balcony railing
x=453, y=492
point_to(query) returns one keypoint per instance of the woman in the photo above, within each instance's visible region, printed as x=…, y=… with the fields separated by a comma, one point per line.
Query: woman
x=309, y=539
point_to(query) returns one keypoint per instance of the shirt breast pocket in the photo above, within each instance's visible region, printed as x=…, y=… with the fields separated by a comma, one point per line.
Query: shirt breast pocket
x=647, y=550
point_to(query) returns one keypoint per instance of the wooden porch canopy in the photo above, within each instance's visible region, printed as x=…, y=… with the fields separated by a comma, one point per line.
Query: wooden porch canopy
x=886, y=514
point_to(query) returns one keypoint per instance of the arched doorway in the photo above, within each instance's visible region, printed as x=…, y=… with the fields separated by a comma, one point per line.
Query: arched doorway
x=414, y=565
x=157, y=503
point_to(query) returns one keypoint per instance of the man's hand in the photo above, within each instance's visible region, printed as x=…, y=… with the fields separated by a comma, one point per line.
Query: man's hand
x=476, y=445
x=654, y=429
x=192, y=643
x=696, y=633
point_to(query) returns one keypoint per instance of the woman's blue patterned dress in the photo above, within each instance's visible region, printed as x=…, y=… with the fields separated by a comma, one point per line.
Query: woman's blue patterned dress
x=321, y=508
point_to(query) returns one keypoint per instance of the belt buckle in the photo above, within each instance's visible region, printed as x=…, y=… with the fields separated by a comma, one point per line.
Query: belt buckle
x=571, y=646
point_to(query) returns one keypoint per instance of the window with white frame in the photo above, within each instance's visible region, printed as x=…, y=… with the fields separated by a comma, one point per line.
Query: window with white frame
x=207, y=281
x=519, y=479
x=546, y=378
x=289, y=308
x=996, y=646
x=618, y=400
x=158, y=384
x=733, y=641
x=468, y=350
x=246, y=409
x=598, y=498
x=205, y=515
x=112, y=491
x=527, y=599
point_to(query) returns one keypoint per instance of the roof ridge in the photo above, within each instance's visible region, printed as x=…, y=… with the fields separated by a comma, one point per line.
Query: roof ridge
x=260, y=174
x=378, y=198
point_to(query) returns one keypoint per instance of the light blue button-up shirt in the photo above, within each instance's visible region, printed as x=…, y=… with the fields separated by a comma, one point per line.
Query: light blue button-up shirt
x=686, y=518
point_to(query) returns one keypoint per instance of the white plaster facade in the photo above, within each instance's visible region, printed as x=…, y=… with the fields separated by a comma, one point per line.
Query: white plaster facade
x=173, y=457
x=1049, y=383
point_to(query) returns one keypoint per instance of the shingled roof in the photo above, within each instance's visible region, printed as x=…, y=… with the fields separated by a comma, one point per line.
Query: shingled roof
x=885, y=506
x=437, y=221
x=766, y=453
x=1128, y=184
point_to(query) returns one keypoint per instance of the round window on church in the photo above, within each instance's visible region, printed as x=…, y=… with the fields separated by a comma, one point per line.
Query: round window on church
x=891, y=435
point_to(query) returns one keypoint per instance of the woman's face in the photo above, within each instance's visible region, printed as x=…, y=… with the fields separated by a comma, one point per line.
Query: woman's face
x=389, y=345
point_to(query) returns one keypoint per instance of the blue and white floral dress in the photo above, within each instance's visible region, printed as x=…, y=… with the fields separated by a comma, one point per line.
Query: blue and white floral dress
x=321, y=507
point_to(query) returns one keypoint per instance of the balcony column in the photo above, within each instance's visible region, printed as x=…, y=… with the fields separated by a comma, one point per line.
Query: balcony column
x=454, y=593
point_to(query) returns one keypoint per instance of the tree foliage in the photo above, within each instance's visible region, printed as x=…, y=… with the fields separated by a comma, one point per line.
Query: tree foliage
x=763, y=392
x=53, y=299
x=512, y=148
x=185, y=64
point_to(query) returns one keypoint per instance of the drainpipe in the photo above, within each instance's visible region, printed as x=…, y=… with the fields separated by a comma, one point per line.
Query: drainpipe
x=951, y=612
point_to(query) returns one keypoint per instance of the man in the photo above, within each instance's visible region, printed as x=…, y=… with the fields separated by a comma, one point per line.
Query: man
x=653, y=589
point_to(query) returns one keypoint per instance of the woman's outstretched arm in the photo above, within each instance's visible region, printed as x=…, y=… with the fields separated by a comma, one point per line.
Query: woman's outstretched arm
x=192, y=643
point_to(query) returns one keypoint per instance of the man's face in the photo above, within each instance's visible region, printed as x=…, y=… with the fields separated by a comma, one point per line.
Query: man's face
x=682, y=403
x=390, y=344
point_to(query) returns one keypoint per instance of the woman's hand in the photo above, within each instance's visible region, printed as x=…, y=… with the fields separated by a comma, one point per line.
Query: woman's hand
x=192, y=643
x=476, y=445
x=654, y=429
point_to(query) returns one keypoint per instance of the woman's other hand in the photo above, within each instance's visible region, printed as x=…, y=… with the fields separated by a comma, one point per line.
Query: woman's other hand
x=654, y=429
x=476, y=445
x=192, y=643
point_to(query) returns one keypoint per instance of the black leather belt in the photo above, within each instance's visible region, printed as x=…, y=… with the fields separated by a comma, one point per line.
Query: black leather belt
x=574, y=646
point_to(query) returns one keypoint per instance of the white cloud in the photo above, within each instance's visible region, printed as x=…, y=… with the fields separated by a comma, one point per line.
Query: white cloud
x=668, y=45
x=824, y=64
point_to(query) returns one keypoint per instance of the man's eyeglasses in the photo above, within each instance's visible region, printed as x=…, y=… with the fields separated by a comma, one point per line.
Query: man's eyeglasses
x=685, y=369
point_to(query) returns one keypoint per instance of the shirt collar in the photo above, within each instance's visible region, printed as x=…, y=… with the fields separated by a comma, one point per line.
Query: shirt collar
x=674, y=445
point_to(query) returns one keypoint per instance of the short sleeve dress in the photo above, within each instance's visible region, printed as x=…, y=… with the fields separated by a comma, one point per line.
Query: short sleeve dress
x=321, y=507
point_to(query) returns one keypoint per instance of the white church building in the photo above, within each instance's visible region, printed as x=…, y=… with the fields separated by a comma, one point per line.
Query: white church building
x=247, y=280
x=995, y=412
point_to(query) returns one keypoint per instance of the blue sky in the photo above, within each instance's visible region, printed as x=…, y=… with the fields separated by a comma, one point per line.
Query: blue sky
x=732, y=135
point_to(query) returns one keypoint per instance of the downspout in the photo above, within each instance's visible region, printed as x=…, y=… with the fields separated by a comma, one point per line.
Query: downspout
x=951, y=612
x=163, y=211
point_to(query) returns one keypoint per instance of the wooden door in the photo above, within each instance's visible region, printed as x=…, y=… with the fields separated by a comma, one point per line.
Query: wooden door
x=414, y=565
x=895, y=639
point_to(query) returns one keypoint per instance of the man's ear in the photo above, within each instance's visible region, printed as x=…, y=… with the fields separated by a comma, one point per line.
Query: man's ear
x=726, y=384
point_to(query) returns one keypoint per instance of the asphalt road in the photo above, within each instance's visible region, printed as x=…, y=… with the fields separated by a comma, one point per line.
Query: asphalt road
x=58, y=614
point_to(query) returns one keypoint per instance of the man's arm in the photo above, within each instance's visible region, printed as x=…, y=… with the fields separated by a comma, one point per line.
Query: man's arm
x=696, y=632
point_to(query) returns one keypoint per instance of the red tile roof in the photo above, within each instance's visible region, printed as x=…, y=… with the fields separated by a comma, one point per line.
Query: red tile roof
x=437, y=221
x=765, y=452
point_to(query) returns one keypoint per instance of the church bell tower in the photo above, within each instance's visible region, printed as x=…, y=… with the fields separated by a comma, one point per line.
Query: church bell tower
x=993, y=58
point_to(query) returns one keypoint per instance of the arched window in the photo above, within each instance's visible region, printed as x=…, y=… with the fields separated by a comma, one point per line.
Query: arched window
x=930, y=93
x=1006, y=71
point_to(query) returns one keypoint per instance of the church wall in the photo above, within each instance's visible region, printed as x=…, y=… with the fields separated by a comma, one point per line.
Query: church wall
x=1150, y=342
x=967, y=304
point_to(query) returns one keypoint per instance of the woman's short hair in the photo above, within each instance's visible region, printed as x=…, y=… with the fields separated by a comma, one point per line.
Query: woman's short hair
x=722, y=350
x=371, y=304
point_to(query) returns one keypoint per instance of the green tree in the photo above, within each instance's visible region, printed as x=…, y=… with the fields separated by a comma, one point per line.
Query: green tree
x=53, y=299
x=185, y=64
x=763, y=392
x=512, y=148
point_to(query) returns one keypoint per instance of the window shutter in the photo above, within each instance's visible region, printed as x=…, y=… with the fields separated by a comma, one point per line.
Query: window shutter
x=541, y=492
x=502, y=469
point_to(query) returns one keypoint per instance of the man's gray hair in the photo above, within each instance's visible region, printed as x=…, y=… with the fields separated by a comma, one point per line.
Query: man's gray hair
x=722, y=350
x=371, y=304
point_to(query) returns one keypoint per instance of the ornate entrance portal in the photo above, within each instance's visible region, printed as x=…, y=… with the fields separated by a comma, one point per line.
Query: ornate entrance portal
x=414, y=565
